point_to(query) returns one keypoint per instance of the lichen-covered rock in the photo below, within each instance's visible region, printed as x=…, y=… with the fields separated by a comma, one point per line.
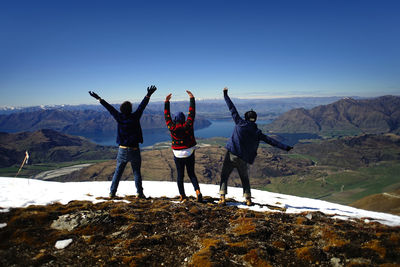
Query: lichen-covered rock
x=162, y=231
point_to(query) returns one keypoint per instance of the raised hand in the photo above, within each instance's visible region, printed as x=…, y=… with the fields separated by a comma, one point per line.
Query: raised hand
x=151, y=90
x=168, y=97
x=189, y=93
x=93, y=94
x=225, y=90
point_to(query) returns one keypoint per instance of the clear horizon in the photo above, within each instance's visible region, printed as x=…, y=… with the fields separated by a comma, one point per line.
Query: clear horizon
x=54, y=52
x=183, y=100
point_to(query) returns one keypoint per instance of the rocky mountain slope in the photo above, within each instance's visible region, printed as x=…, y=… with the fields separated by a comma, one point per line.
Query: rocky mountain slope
x=49, y=146
x=209, y=159
x=78, y=122
x=343, y=117
x=344, y=153
x=163, y=232
x=353, y=152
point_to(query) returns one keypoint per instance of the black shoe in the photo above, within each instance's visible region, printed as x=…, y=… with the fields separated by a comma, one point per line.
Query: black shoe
x=199, y=196
x=111, y=195
x=141, y=195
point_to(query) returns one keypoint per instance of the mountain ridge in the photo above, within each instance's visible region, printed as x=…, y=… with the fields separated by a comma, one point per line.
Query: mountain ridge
x=344, y=117
x=47, y=145
x=78, y=122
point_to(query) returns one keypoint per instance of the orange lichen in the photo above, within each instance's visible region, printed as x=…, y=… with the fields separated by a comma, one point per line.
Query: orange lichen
x=244, y=226
x=300, y=220
x=279, y=244
x=304, y=253
x=375, y=246
x=254, y=259
x=394, y=238
x=202, y=258
x=131, y=261
x=239, y=244
x=389, y=265
x=331, y=239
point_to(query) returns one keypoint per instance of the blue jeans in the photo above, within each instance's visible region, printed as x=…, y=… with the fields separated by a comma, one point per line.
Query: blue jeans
x=124, y=156
x=230, y=162
x=180, y=168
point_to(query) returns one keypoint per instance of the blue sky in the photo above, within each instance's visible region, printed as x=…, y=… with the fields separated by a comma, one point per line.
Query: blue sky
x=53, y=52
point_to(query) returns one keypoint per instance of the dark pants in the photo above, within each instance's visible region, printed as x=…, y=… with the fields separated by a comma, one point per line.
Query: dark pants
x=230, y=162
x=180, y=167
x=124, y=156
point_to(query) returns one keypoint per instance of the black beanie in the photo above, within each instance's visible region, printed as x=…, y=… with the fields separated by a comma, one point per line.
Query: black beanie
x=250, y=115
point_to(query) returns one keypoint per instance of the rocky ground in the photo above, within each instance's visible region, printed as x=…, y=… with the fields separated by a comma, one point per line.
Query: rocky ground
x=164, y=232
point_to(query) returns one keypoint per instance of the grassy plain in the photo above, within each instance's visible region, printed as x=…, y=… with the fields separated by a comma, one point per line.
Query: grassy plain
x=340, y=186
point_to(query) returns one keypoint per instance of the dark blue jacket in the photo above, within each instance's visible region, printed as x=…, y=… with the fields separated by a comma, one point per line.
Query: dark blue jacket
x=246, y=136
x=129, y=129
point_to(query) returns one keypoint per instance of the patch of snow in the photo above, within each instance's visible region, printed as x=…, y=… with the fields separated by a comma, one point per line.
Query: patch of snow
x=20, y=192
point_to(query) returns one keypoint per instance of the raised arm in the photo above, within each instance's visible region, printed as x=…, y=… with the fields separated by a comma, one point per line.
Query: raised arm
x=235, y=115
x=145, y=101
x=110, y=108
x=167, y=114
x=192, y=110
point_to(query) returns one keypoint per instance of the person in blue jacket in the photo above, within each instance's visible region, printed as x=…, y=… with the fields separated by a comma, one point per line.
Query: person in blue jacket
x=242, y=149
x=129, y=136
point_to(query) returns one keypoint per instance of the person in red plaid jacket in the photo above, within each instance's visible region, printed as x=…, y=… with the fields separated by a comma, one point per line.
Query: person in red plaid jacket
x=183, y=145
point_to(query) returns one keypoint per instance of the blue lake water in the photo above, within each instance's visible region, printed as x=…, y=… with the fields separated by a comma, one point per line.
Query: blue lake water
x=218, y=128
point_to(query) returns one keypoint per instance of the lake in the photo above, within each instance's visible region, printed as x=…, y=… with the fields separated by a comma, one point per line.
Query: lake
x=218, y=128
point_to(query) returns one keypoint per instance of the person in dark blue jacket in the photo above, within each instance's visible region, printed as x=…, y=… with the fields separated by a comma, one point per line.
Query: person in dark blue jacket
x=242, y=149
x=129, y=136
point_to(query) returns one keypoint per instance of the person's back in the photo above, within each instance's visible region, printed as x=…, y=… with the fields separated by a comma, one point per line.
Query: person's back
x=181, y=129
x=129, y=129
x=242, y=148
x=244, y=141
x=183, y=144
x=129, y=135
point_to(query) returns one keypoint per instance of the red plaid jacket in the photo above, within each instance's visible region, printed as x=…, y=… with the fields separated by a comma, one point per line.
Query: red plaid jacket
x=182, y=134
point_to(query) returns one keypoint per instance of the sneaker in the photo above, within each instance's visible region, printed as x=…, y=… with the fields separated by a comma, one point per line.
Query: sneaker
x=111, y=195
x=248, y=202
x=183, y=198
x=222, y=201
x=199, y=196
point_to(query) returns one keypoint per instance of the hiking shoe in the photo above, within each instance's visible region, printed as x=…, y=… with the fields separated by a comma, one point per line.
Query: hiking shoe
x=141, y=195
x=183, y=198
x=222, y=201
x=199, y=196
x=248, y=202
